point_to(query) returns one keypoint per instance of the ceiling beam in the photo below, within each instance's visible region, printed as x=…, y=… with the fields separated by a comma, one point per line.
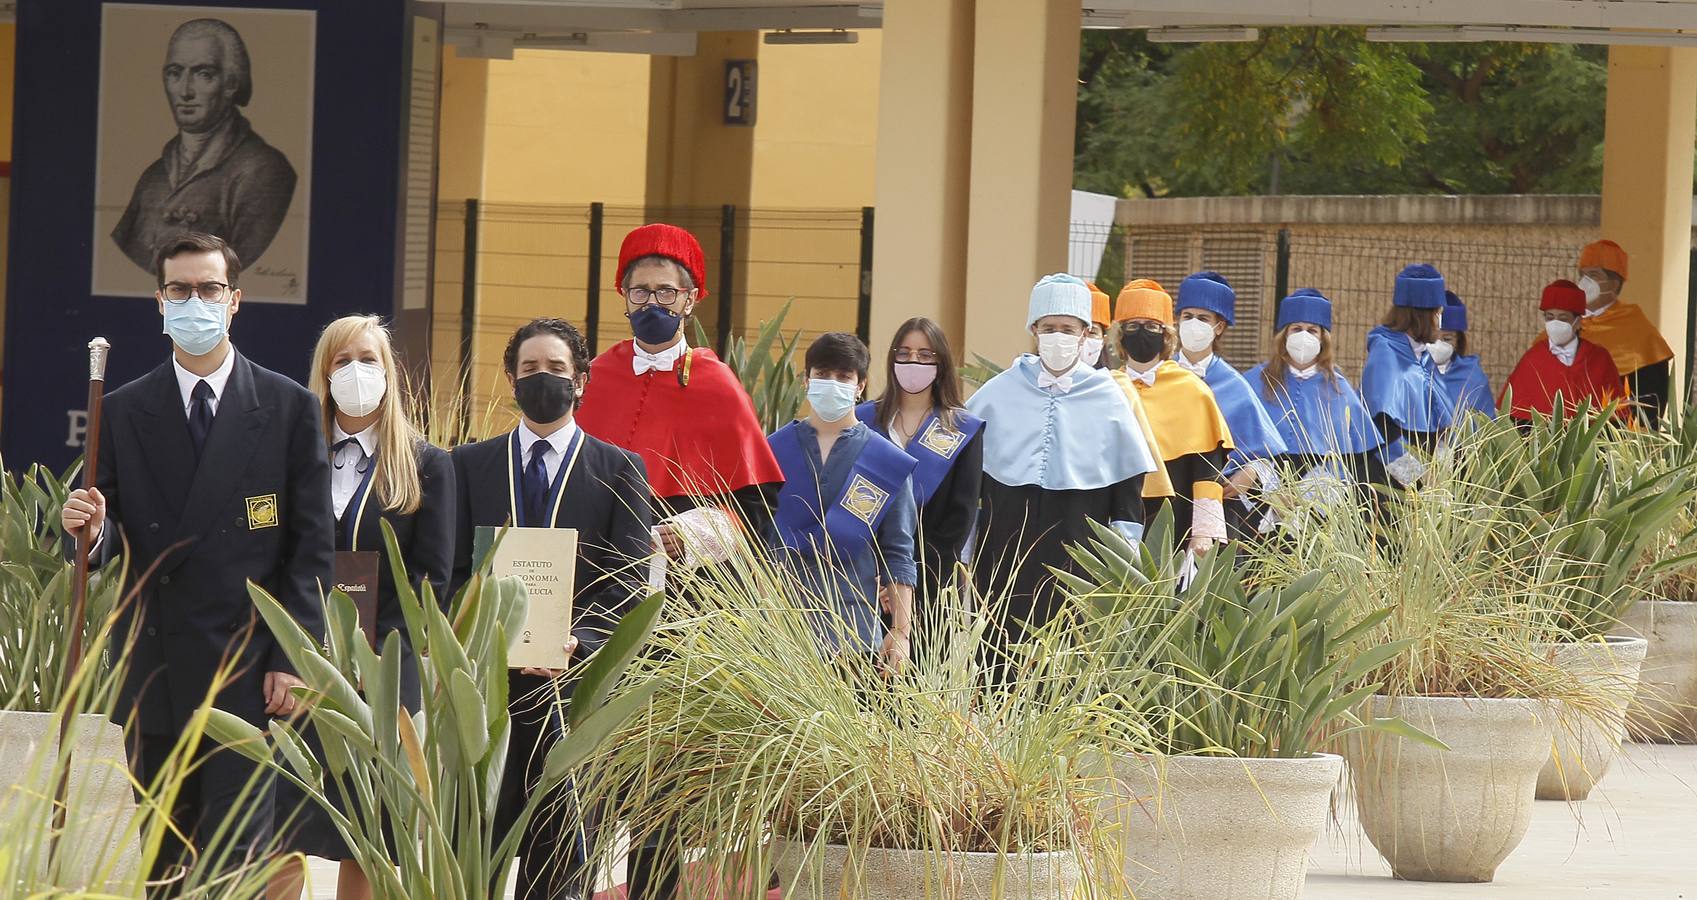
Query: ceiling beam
x=556, y=17
x=1576, y=13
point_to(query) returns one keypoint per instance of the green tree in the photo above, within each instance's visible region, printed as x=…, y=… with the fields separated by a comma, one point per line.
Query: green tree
x=1323, y=110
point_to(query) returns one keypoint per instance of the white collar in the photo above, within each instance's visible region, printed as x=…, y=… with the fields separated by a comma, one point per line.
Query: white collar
x=559, y=440
x=1419, y=348
x=1566, y=353
x=1146, y=378
x=1589, y=312
x=1444, y=368
x=1307, y=373
x=366, y=439
x=1061, y=382
x=1200, y=368
x=220, y=376
x=643, y=361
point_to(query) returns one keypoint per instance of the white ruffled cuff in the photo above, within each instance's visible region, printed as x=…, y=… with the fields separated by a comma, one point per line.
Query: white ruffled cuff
x=1406, y=469
x=708, y=533
x=1208, y=519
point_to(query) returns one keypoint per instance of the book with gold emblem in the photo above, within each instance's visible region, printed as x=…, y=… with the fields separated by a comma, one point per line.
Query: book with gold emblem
x=546, y=559
x=356, y=576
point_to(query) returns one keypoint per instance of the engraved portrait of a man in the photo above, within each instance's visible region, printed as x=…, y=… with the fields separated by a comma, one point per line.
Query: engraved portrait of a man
x=216, y=175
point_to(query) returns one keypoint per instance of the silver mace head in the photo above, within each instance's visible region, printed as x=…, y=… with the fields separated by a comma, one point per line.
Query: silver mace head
x=98, y=350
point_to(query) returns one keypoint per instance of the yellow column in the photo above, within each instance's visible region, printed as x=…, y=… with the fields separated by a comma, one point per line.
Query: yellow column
x=923, y=167
x=1647, y=170
x=1024, y=101
x=460, y=131
x=696, y=160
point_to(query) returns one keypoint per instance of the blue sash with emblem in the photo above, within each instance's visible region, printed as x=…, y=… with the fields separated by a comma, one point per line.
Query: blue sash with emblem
x=851, y=520
x=935, y=447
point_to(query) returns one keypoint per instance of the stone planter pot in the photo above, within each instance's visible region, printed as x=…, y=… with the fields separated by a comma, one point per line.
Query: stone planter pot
x=827, y=872
x=1453, y=815
x=1219, y=828
x=99, y=800
x=1665, y=710
x=1587, y=743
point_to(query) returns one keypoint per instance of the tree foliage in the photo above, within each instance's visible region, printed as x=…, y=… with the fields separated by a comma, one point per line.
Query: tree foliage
x=1323, y=110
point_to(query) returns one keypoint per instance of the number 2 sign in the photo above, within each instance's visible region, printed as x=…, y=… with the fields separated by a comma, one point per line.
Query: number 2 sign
x=739, y=92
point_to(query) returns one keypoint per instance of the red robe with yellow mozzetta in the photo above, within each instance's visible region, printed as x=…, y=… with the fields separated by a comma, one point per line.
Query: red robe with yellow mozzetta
x=1540, y=376
x=694, y=426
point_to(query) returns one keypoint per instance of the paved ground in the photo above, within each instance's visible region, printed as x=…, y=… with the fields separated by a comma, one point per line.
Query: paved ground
x=1634, y=839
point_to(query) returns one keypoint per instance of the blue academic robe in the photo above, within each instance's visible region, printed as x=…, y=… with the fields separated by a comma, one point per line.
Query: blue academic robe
x=1467, y=387
x=1254, y=436
x=1318, y=417
x=1403, y=389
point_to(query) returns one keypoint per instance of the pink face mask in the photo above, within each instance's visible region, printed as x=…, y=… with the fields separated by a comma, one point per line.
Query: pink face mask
x=916, y=378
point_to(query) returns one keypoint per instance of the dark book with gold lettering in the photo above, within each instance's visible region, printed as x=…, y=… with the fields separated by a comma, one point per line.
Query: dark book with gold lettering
x=356, y=576
x=546, y=558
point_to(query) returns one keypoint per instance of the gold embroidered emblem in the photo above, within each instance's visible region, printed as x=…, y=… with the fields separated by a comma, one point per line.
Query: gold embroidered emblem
x=941, y=440
x=262, y=512
x=864, y=499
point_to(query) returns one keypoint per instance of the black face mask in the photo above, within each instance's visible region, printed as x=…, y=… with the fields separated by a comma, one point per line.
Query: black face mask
x=545, y=397
x=1143, y=346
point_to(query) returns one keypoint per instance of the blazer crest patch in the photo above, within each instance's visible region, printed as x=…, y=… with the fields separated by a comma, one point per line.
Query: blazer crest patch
x=262, y=512
x=864, y=499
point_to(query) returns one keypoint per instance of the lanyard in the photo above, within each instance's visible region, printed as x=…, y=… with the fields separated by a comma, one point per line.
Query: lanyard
x=555, y=492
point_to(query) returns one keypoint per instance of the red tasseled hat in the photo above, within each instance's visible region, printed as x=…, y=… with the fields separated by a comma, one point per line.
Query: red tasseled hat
x=1563, y=295
x=670, y=241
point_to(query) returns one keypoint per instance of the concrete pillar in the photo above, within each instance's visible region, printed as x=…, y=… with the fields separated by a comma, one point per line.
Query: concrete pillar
x=1024, y=101
x=460, y=133
x=696, y=160
x=923, y=168
x=1647, y=171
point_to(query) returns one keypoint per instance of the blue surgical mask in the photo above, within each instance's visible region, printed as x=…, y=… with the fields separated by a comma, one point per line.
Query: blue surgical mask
x=830, y=398
x=654, y=324
x=196, y=325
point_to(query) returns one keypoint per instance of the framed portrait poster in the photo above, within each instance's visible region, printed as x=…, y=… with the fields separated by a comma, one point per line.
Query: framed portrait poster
x=205, y=124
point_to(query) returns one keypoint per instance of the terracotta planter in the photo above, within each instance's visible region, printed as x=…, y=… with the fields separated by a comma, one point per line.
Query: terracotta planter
x=827, y=872
x=1219, y=828
x=1587, y=743
x=1453, y=815
x=99, y=799
x=1665, y=710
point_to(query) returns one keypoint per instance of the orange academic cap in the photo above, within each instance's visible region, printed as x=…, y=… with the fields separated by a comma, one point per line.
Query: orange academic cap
x=1604, y=255
x=1144, y=299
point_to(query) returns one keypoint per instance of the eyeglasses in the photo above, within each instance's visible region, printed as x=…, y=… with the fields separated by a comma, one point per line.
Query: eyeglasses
x=904, y=355
x=1151, y=327
x=210, y=291
x=667, y=297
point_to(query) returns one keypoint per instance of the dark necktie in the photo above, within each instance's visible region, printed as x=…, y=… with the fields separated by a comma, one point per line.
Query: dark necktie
x=536, y=488
x=200, y=416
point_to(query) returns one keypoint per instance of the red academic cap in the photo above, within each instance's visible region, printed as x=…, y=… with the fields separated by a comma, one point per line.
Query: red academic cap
x=1563, y=295
x=670, y=241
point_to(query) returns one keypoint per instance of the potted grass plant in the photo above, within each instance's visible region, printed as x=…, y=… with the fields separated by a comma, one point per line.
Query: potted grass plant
x=765, y=751
x=1588, y=500
x=1471, y=673
x=1665, y=615
x=1241, y=690
x=421, y=788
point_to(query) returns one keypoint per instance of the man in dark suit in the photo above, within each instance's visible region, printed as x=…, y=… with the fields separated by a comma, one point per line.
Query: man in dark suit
x=213, y=473
x=548, y=473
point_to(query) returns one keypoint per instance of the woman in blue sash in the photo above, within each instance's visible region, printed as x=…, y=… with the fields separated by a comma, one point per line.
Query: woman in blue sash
x=1399, y=382
x=846, y=515
x=1206, y=307
x=381, y=470
x=1462, y=377
x=1326, y=428
x=921, y=412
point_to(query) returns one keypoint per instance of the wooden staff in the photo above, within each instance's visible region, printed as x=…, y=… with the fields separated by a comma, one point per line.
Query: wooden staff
x=97, y=352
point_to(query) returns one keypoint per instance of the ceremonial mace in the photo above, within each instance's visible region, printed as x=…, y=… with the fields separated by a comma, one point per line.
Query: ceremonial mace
x=97, y=352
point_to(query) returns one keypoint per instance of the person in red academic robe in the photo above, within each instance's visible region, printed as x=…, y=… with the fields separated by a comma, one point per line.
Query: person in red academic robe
x=712, y=473
x=1564, y=365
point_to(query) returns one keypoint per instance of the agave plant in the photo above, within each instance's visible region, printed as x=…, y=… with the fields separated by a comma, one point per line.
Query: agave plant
x=35, y=590
x=1220, y=670
x=766, y=367
x=422, y=788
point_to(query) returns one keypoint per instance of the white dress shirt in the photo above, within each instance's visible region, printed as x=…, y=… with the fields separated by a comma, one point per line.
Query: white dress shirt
x=349, y=464
x=644, y=362
x=1062, y=383
x=558, y=443
x=1147, y=378
x=186, y=380
x=1306, y=373
x=1200, y=368
x=1565, y=354
x=1589, y=312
